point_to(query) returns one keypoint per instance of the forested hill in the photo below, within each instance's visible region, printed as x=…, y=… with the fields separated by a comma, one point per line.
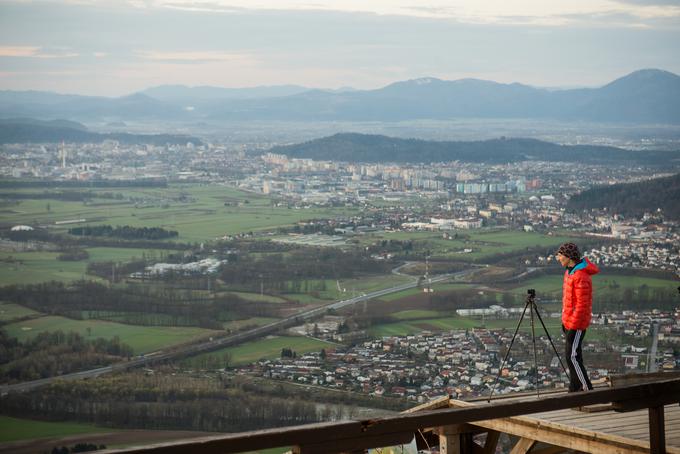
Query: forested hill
x=36, y=131
x=633, y=199
x=376, y=148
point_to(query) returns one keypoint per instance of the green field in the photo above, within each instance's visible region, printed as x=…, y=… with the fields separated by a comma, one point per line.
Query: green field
x=197, y=212
x=14, y=429
x=482, y=242
x=34, y=267
x=9, y=312
x=602, y=283
x=267, y=348
x=414, y=326
x=142, y=339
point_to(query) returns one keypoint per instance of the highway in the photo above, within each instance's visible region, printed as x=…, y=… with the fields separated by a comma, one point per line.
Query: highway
x=229, y=340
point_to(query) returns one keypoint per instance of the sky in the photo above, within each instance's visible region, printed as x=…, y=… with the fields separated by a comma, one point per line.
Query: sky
x=118, y=47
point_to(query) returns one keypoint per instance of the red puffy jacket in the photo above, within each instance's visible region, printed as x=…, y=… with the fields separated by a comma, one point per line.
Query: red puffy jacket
x=577, y=295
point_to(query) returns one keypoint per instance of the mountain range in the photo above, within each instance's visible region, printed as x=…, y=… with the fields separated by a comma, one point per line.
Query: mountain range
x=649, y=96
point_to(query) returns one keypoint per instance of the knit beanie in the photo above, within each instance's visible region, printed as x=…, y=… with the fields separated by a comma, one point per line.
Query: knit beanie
x=570, y=250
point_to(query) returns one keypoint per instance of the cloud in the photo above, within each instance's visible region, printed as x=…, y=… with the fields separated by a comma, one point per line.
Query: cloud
x=18, y=51
x=202, y=56
x=503, y=12
x=35, y=52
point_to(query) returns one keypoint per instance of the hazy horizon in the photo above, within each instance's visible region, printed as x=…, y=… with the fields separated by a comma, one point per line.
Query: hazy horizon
x=108, y=48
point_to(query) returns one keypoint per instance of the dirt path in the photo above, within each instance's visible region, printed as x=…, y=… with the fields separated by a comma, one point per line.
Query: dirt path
x=110, y=439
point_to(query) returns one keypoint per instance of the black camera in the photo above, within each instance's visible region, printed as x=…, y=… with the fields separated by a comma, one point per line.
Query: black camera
x=531, y=292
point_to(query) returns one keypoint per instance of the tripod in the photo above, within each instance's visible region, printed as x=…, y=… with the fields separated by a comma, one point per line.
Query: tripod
x=533, y=309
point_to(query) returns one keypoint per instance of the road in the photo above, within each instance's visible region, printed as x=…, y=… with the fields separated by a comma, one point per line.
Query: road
x=230, y=340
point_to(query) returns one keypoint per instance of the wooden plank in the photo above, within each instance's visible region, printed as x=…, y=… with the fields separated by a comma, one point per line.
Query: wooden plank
x=670, y=425
x=672, y=441
x=523, y=446
x=568, y=437
x=599, y=418
x=613, y=421
x=630, y=423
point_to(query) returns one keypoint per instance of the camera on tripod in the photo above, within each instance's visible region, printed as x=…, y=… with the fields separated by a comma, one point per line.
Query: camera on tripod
x=533, y=313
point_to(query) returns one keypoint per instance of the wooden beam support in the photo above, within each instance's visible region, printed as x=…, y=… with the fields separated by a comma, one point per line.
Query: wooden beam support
x=523, y=446
x=657, y=431
x=491, y=442
x=450, y=444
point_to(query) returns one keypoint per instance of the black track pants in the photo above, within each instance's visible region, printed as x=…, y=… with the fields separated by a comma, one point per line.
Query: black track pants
x=578, y=377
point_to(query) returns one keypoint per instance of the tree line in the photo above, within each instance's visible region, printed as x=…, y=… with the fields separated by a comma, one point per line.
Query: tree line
x=178, y=403
x=54, y=353
x=125, y=232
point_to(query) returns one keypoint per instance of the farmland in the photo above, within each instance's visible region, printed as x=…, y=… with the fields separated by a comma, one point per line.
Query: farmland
x=13, y=429
x=142, y=339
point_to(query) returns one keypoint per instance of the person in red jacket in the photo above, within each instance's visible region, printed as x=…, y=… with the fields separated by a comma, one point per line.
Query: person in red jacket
x=577, y=305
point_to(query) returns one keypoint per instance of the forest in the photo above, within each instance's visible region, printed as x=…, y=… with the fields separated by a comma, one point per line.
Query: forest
x=633, y=199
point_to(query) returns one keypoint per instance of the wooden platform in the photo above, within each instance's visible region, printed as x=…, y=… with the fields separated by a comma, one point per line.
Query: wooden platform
x=598, y=432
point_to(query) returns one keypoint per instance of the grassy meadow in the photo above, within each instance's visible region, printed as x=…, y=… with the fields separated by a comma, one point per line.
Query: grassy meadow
x=142, y=339
x=483, y=243
x=602, y=283
x=15, y=429
x=41, y=266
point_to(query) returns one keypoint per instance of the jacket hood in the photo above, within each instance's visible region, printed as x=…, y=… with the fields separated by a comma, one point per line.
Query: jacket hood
x=587, y=266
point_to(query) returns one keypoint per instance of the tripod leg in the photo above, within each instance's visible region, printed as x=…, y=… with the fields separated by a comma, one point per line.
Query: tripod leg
x=507, y=353
x=533, y=339
x=538, y=314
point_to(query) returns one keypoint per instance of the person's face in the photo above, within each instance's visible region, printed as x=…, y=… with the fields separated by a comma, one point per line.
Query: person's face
x=564, y=260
